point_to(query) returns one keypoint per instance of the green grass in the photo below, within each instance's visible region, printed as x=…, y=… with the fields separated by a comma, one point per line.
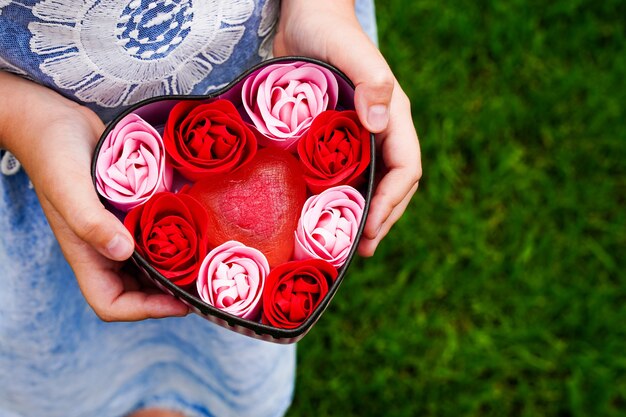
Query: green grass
x=502, y=290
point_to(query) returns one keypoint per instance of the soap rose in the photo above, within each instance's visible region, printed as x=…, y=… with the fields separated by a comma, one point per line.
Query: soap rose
x=283, y=99
x=334, y=151
x=131, y=164
x=170, y=232
x=328, y=225
x=207, y=138
x=232, y=278
x=293, y=290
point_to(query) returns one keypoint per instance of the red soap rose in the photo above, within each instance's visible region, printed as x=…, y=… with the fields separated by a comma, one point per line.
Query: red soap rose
x=293, y=290
x=207, y=138
x=335, y=151
x=170, y=232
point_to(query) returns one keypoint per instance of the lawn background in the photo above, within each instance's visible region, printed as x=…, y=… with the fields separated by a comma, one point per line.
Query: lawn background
x=502, y=290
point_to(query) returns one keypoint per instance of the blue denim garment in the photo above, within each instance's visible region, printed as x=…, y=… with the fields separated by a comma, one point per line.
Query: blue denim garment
x=56, y=357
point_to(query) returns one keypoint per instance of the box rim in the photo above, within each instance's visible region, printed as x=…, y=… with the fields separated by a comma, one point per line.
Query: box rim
x=206, y=309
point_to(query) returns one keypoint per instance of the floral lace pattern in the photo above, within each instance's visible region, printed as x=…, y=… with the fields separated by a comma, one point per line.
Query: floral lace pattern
x=113, y=52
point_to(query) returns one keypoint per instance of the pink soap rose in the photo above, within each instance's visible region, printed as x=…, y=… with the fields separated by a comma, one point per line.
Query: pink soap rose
x=283, y=99
x=131, y=164
x=232, y=278
x=328, y=225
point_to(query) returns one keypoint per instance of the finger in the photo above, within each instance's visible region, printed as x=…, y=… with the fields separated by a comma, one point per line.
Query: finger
x=373, y=79
x=390, y=192
x=137, y=305
x=140, y=277
x=115, y=295
x=111, y=292
x=130, y=281
x=367, y=247
x=108, y=293
x=401, y=159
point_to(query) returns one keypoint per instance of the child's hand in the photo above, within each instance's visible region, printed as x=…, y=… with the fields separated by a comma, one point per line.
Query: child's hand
x=328, y=30
x=54, y=139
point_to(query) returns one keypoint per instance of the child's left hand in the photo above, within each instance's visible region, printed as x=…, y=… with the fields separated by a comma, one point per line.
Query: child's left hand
x=329, y=30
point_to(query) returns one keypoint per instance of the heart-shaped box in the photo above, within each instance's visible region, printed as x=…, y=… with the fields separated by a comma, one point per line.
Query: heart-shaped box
x=155, y=112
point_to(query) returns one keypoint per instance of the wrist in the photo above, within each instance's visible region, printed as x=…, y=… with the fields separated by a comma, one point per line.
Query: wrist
x=297, y=10
x=310, y=28
x=26, y=108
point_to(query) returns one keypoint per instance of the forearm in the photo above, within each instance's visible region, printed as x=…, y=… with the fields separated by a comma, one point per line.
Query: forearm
x=14, y=93
x=27, y=109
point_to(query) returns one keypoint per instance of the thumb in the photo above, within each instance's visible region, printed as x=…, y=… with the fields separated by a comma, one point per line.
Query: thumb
x=64, y=180
x=75, y=199
x=369, y=72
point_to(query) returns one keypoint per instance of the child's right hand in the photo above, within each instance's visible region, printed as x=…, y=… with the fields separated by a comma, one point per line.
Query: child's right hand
x=54, y=139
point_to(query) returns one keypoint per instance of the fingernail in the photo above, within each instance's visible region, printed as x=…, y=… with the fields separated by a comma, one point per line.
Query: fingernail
x=119, y=247
x=378, y=117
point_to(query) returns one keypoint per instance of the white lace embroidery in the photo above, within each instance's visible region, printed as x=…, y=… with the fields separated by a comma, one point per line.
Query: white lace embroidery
x=269, y=17
x=4, y=3
x=9, y=165
x=213, y=88
x=107, y=51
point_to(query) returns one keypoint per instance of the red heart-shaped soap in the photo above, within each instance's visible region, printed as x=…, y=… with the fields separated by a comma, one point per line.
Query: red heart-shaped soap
x=258, y=205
